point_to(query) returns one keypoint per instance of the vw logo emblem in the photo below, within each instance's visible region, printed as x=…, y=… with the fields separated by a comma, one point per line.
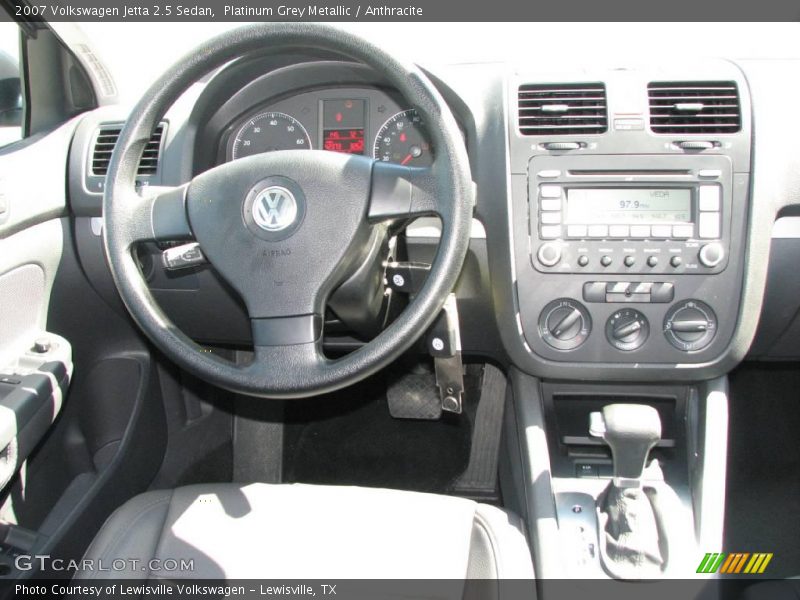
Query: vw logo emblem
x=274, y=209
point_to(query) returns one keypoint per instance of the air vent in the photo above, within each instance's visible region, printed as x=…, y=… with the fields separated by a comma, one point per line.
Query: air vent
x=694, y=107
x=562, y=109
x=107, y=138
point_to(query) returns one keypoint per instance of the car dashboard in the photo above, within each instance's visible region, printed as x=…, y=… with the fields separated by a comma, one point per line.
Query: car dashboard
x=629, y=218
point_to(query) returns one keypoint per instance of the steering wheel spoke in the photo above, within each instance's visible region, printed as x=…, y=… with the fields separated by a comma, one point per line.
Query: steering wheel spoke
x=400, y=192
x=286, y=331
x=158, y=213
x=284, y=347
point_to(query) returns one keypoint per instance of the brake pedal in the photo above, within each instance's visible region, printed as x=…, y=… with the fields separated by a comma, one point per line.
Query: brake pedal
x=414, y=396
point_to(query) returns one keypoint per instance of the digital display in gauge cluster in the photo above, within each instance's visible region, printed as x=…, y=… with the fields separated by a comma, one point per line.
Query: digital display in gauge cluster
x=343, y=125
x=358, y=121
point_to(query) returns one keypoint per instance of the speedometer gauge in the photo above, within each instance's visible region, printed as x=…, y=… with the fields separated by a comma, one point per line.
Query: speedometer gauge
x=402, y=139
x=270, y=131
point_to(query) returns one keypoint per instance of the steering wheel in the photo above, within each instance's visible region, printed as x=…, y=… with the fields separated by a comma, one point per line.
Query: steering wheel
x=283, y=228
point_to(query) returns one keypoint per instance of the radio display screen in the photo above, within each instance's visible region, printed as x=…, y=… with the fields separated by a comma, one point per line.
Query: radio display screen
x=629, y=206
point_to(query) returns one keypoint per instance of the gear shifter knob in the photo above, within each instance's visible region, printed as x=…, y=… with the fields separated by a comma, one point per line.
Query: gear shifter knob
x=631, y=431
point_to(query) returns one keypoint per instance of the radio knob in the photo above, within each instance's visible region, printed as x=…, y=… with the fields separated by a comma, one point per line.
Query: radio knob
x=711, y=254
x=629, y=261
x=605, y=261
x=676, y=261
x=583, y=260
x=549, y=254
x=652, y=261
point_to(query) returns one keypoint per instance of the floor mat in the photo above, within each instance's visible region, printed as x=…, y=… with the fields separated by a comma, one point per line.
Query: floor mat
x=349, y=438
x=762, y=508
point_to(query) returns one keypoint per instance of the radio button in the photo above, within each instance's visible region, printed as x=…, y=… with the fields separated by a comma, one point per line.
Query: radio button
x=709, y=225
x=548, y=174
x=629, y=261
x=551, y=231
x=550, y=191
x=709, y=198
x=640, y=231
x=709, y=173
x=618, y=231
x=550, y=218
x=683, y=231
x=598, y=231
x=550, y=204
x=605, y=260
x=661, y=232
x=576, y=231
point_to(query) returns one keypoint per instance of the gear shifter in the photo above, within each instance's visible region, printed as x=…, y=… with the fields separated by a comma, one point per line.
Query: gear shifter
x=631, y=431
x=632, y=539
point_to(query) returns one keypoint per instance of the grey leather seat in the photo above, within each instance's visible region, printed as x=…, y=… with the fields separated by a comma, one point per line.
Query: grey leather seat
x=307, y=531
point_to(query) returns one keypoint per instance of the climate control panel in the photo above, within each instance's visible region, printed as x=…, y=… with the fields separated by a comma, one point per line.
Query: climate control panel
x=627, y=329
x=690, y=325
x=566, y=324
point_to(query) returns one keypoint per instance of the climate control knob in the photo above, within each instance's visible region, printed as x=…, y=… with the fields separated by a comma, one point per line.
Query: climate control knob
x=565, y=324
x=627, y=329
x=549, y=254
x=711, y=254
x=690, y=325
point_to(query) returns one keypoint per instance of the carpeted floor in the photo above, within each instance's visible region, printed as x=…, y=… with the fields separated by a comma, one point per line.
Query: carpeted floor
x=763, y=499
x=349, y=438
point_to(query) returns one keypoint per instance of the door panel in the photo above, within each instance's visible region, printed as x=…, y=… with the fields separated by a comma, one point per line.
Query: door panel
x=35, y=365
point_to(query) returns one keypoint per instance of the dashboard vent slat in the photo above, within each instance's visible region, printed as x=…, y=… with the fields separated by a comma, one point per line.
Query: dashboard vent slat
x=562, y=109
x=694, y=107
x=107, y=138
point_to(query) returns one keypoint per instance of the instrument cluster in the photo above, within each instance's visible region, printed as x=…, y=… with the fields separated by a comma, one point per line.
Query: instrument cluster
x=362, y=121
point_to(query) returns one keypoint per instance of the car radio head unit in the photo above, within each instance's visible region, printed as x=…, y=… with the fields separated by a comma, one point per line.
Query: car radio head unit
x=648, y=214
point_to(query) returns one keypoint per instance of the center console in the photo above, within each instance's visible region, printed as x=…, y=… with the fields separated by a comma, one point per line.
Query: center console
x=629, y=206
x=629, y=216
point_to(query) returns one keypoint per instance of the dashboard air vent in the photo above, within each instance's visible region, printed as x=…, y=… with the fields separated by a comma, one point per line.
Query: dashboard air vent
x=562, y=109
x=107, y=138
x=694, y=107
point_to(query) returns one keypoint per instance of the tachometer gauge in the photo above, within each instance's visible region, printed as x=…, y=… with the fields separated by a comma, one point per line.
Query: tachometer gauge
x=270, y=131
x=402, y=139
